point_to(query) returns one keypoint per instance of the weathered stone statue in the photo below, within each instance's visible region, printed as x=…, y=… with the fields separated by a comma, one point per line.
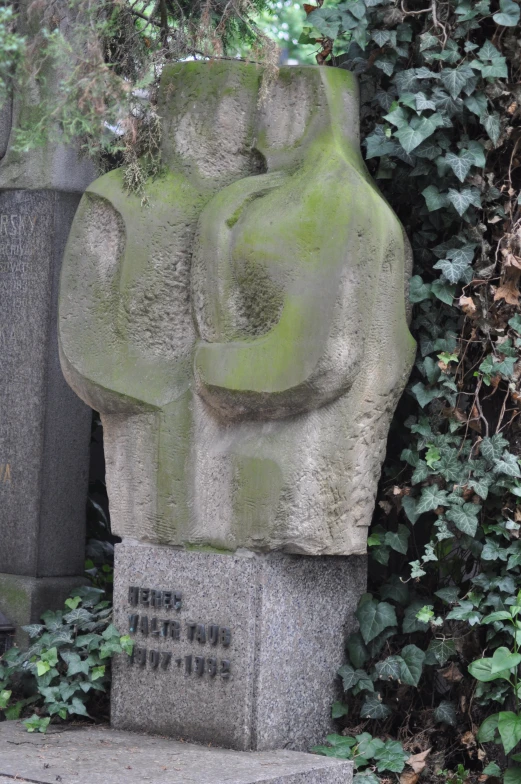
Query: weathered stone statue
x=245, y=340
x=245, y=336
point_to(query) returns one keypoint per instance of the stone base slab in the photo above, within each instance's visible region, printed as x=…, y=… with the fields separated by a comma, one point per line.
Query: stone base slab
x=236, y=650
x=76, y=755
x=23, y=599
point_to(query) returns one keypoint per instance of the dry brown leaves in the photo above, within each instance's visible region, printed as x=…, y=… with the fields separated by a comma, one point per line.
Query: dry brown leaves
x=508, y=288
x=452, y=673
x=417, y=762
x=468, y=305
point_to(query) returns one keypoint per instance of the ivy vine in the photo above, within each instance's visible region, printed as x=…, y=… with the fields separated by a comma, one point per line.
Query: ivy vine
x=440, y=109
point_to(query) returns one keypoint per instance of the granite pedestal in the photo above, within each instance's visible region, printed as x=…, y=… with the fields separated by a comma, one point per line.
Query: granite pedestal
x=75, y=755
x=44, y=427
x=239, y=651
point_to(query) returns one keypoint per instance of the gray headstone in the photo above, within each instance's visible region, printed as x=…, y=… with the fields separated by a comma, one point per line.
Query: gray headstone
x=241, y=651
x=43, y=449
x=44, y=428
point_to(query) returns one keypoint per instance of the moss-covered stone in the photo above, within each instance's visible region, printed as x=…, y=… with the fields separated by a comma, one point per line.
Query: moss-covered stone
x=245, y=336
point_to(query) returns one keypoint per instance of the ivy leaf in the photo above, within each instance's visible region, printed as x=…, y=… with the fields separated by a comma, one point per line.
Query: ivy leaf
x=476, y=149
x=426, y=73
x=492, y=447
x=512, y=775
x=325, y=21
x=488, y=52
x=395, y=589
x=398, y=117
x=356, y=649
x=431, y=498
x=374, y=617
x=503, y=659
x=491, y=123
x=423, y=103
x=453, y=270
x=391, y=757
x=434, y=199
x=480, y=486
x=461, y=200
x=398, y=540
x=424, y=395
x=389, y=669
x=381, y=37
x=455, y=79
x=350, y=676
x=427, y=41
x=33, y=629
x=377, y=144
x=338, y=709
x=373, y=708
x=442, y=650
x=443, y=291
x=419, y=129
x=418, y=290
x=481, y=670
x=460, y=164
x=450, y=594
x=421, y=472
x=411, y=622
x=509, y=726
x=508, y=465
x=75, y=664
x=488, y=729
x=386, y=64
x=428, y=149
x=465, y=611
x=78, y=616
x=77, y=707
x=492, y=770
x=411, y=669
x=477, y=103
x=409, y=507
x=449, y=466
x=367, y=777
x=465, y=517
x=446, y=712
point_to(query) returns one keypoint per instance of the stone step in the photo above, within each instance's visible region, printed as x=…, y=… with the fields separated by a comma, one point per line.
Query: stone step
x=98, y=755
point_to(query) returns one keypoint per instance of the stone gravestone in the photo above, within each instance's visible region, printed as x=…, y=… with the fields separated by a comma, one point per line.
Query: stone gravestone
x=44, y=428
x=245, y=339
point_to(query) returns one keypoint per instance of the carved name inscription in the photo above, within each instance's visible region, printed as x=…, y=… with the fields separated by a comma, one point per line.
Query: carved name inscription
x=15, y=230
x=175, y=631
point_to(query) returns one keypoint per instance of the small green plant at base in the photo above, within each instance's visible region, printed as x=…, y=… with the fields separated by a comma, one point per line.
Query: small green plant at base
x=37, y=724
x=369, y=755
x=459, y=776
x=67, y=662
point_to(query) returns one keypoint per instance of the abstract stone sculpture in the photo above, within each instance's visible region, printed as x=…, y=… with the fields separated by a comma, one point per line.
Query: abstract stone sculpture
x=245, y=335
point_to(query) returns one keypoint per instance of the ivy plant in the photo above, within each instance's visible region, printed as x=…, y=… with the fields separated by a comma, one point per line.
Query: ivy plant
x=370, y=755
x=440, y=110
x=66, y=664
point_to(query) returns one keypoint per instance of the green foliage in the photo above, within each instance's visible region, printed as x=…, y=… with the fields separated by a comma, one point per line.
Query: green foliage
x=503, y=727
x=459, y=776
x=94, y=80
x=12, y=48
x=368, y=754
x=440, y=114
x=67, y=663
